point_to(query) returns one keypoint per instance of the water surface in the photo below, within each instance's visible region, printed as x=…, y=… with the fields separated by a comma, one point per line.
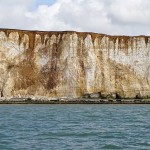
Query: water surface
x=74, y=127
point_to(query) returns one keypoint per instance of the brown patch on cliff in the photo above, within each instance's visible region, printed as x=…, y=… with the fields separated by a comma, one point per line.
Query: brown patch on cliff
x=146, y=40
x=80, y=54
x=59, y=47
x=30, y=51
x=52, y=80
x=26, y=75
x=21, y=35
x=49, y=75
x=113, y=39
x=42, y=37
x=101, y=63
x=10, y=66
x=54, y=72
x=31, y=40
x=7, y=32
x=80, y=58
x=46, y=41
x=93, y=35
x=123, y=44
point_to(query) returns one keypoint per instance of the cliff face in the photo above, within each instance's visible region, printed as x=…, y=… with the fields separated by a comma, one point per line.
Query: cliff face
x=71, y=64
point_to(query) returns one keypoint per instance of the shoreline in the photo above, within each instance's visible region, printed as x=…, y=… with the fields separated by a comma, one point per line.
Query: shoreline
x=73, y=101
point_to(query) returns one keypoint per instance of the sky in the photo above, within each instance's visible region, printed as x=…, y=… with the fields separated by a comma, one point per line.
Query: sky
x=114, y=17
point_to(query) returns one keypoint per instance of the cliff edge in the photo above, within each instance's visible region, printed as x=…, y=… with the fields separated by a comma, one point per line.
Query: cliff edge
x=73, y=64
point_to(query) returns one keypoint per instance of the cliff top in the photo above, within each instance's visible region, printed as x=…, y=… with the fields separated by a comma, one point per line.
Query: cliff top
x=7, y=31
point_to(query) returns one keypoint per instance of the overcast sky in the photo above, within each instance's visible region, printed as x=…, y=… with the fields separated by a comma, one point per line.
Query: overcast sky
x=119, y=17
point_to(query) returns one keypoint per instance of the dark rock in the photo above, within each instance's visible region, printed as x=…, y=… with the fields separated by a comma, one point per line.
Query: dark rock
x=86, y=96
x=95, y=95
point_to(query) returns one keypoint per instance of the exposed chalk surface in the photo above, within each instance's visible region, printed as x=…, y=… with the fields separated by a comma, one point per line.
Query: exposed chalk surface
x=73, y=64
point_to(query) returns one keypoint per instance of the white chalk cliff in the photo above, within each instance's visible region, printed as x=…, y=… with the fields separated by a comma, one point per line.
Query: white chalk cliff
x=72, y=64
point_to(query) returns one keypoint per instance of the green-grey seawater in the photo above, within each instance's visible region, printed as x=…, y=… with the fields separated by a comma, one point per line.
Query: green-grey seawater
x=74, y=127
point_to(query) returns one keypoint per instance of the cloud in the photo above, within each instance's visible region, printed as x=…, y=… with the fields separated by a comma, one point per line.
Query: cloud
x=12, y=13
x=45, y=18
x=129, y=17
x=131, y=12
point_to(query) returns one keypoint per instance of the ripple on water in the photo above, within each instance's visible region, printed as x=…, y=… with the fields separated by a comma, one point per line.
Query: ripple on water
x=74, y=127
x=111, y=146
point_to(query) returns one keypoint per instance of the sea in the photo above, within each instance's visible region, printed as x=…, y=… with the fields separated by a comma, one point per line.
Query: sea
x=75, y=127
